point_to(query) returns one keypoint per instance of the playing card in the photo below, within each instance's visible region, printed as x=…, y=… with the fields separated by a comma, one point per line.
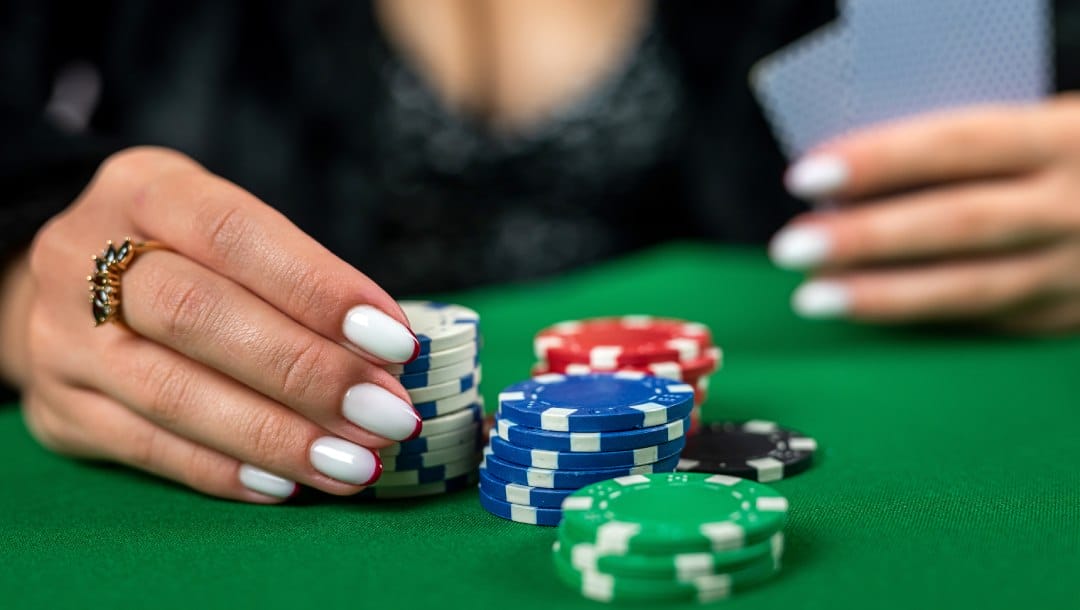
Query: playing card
x=804, y=88
x=914, y=56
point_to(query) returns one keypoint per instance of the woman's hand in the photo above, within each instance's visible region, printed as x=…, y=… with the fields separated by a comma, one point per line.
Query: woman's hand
x=232, y=374
x=966, y=216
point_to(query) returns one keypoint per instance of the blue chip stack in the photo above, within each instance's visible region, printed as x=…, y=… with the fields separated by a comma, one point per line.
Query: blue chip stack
x=554, y=434
x=443, y=383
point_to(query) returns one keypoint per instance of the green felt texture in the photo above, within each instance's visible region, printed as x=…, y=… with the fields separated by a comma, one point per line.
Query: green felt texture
x=947, y=476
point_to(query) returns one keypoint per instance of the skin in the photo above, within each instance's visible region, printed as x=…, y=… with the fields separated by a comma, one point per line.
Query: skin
x=969, y=216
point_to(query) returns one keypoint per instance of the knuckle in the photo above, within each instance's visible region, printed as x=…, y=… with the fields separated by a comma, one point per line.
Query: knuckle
x=305, y=291
x=167, y=389
x=134, y=164
x=42, y=250
x=143, y=448
x=41, y=340
x=44, y=426
x=222, y=229
x=301, y=367
x=202, y=471
x=183, y=303
x=267, y=436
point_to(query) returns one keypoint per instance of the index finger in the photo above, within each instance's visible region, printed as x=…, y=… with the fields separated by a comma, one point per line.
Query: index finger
x=230, y=231
x=948, y=146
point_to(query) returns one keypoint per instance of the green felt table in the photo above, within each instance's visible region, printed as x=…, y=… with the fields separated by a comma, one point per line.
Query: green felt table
x=947, y=475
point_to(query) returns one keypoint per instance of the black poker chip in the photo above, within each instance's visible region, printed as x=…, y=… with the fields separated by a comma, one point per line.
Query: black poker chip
x=756, y=449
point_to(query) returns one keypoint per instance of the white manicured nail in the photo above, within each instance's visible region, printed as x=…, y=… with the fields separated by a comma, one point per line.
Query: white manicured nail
x=374, y=409
x=260, y=481
x=339, y=459
x=822, y=299
x=816, y=176
x=380, y=335
x=800, y=247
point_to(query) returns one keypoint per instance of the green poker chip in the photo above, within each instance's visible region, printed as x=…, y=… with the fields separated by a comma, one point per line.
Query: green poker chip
x=677, y=512
x=683, y=567
x=610, y=588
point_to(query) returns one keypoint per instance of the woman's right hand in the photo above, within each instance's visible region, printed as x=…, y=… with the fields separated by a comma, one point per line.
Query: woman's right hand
x=249, y=358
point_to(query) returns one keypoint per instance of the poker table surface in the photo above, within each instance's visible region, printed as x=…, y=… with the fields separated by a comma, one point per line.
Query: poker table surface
x=948, y=474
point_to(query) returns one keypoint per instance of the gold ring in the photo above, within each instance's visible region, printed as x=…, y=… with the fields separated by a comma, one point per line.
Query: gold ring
x=105, y=281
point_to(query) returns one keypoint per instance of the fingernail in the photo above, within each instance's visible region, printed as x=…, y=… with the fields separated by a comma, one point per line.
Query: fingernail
x=816, y=176
x=339, y=459
x=260, y=481
x=822, y=299
x=374, y=409
x=800, y=247
x=380, y=335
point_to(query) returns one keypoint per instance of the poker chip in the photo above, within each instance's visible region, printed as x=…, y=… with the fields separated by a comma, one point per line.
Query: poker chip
x=419, y=476
x=440, y=326
x=443, y=384
x=435, y=360
x=515, y=493
x=596, y=402
x=465, y=481
x=472, y=414
x=673, y=513
x=419, y=461
x=567, y=479
x=708, y=363
x=445, y=389
x=437, y=376
x=600, y=586
x=610, y=343
x=568, y=460
x=467, y=435
x=621, y=440
x=676, y=566
x=433, y=409
x=757, y=449
x=519, y=512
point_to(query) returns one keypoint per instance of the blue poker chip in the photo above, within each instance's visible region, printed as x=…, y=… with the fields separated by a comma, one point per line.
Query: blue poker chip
x=436, y=360
x=569, y=460
x=596, y=402
x=566, y=479
x=433, y=393
x=419, y=476
x=471, y=415
x=520, y=513
x=444, y=406
x=440, y=326
x=467, y=435
x=443, y=374
x=453, y=484
x=430, y=459
x=534, y=438
x=514, y=493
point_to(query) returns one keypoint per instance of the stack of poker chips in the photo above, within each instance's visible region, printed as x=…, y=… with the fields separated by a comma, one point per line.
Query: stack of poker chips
x=443, y=383
x=679, y=537
x=555, y=433
x=664, y=347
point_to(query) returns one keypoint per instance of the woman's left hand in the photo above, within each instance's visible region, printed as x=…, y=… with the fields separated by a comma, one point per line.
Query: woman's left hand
x=967, y=216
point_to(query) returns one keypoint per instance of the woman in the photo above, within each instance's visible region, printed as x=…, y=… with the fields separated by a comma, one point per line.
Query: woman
x=523, y=137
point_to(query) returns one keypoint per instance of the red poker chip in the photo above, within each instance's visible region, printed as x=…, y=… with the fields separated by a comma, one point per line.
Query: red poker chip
x=607, y=344
x=706, y=365
x=701, y=390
